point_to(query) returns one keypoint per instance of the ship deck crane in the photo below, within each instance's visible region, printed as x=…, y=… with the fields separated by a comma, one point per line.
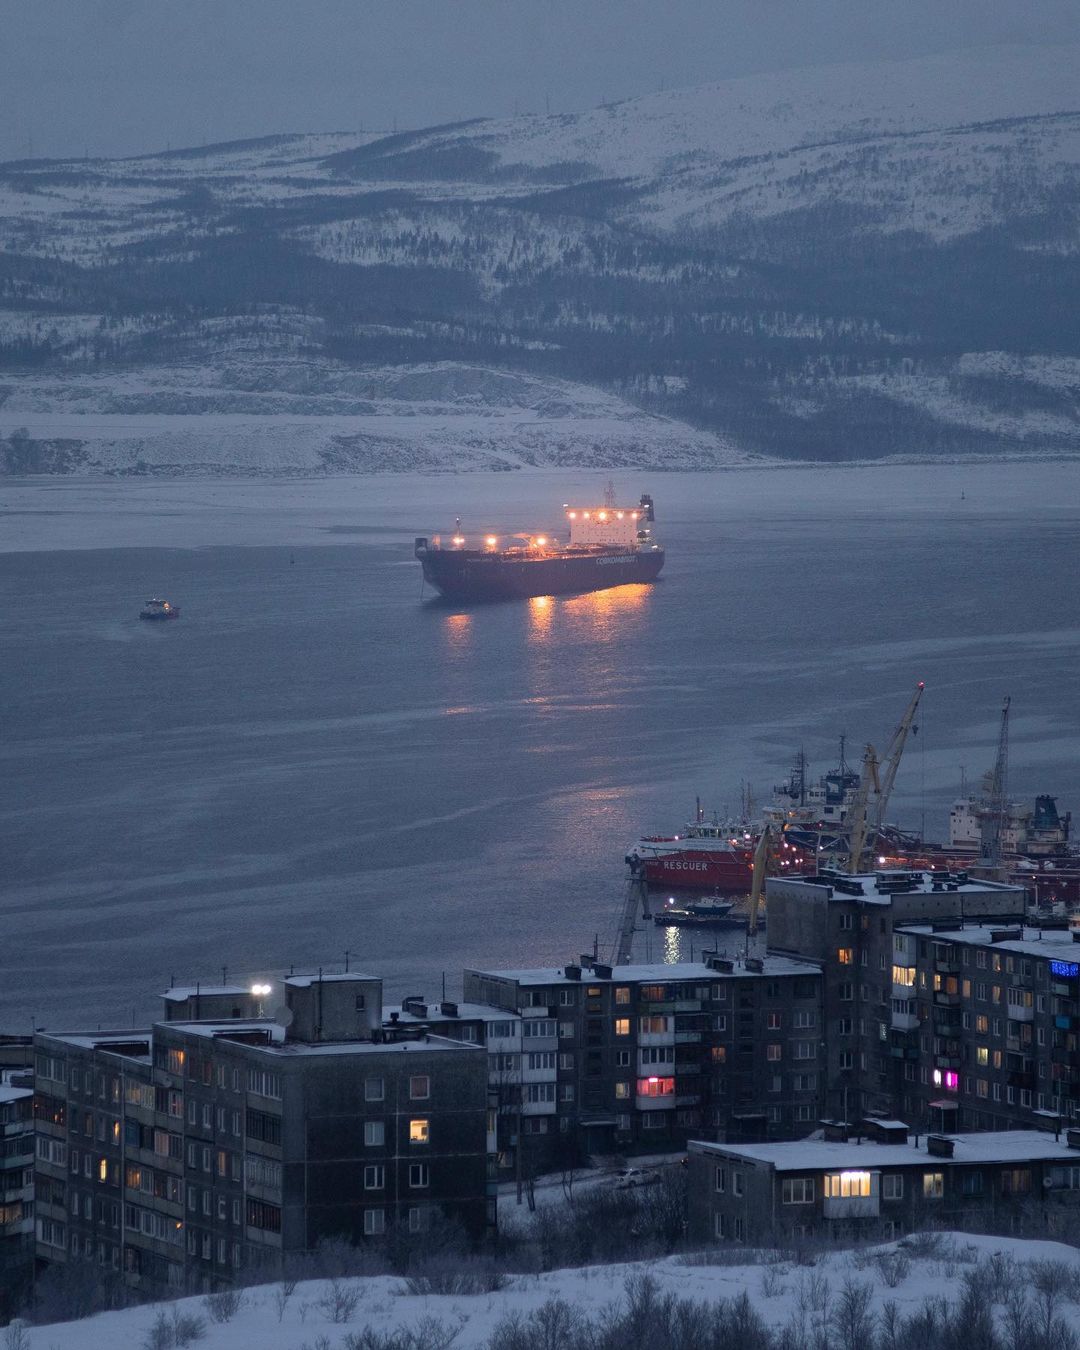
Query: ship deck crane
x=761, y=861
x=992, y=819
x=878, y=777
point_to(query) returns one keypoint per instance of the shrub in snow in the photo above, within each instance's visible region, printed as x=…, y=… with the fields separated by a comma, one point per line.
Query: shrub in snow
x=224, y=1305
x=338, y=1301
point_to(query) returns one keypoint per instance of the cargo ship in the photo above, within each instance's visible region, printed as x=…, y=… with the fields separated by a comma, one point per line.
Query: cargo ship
x=607, y=546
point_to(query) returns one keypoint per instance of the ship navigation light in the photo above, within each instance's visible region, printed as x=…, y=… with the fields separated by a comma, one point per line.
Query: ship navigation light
x=602, y=515
x=459, y=539
x=491, y=541
x=541, y=540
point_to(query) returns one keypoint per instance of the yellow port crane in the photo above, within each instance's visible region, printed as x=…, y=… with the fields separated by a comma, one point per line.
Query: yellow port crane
x=881, y=784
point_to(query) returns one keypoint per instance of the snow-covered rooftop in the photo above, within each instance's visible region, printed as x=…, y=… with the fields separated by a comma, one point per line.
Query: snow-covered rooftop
x=279, y=1045
x=1050, y=944
x=13, y=1094
x=810, y=1155
x=466, y=1012
x=652, y=974
x=342, y=977
x=925, y=883
x=180, y=993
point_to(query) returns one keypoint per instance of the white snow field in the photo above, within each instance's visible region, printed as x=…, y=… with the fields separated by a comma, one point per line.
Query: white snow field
x=783, y=1293
x=309, y=416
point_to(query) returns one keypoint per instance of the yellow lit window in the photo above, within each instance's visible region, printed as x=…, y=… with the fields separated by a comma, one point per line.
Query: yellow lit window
x=982, y=1055
x=419, y=1131
x=904, y=975
x=103, y=1170
x=622, y=1090
x=847, y=1185
x=116, y=1131
x=622, y=1026
x=933, y=1185
x=846, y=956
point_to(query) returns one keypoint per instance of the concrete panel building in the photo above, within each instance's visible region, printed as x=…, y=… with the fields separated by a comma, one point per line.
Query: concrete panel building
x=883, y=1184
x=848, y=924
x=192, y=1153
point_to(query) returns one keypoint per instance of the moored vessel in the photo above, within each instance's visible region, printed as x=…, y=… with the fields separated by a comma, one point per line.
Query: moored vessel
x=608, y=546
x=159, y=609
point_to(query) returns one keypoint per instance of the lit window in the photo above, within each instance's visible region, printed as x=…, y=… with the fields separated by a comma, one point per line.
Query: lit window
x=622, y=1090
x=846, y=956
x=103, y=1170
x=419, y=1131
x=622, y=1026
x=847, y=1185
x=933, y=1185
x=656, y=1087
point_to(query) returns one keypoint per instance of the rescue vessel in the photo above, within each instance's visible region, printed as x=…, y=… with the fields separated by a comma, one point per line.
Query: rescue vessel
x=608, y=546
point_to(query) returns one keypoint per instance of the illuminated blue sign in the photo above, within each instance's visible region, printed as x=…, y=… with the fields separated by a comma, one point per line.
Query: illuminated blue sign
x=1067, y=970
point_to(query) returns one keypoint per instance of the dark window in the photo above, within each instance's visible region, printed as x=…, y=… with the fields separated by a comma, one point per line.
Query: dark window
x=263, y=1126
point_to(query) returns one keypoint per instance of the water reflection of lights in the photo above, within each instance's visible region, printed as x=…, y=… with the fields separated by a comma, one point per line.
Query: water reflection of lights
x=458, y=629
x=604, y=612
x=540, y=614
x=672, y=946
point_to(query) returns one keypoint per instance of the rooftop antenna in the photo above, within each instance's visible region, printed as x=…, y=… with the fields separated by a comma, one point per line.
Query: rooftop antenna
x=843, y=745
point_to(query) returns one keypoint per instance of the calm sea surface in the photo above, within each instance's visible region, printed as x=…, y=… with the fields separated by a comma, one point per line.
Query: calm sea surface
x=316, y=760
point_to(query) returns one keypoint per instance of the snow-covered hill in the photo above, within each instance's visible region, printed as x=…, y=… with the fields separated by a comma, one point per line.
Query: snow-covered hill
x=842, y=1298
x=281, y=416
x=811, y=264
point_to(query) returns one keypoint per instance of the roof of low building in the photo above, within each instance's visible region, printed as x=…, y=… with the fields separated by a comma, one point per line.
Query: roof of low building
x=278, y=1044
x=466, y=1012
x=341, y=977
x=810, y=1155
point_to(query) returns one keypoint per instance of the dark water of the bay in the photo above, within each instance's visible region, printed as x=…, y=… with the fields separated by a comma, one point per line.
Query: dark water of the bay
x=314, y=760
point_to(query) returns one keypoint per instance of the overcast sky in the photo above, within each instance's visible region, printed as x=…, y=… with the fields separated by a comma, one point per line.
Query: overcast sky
x=110, y=77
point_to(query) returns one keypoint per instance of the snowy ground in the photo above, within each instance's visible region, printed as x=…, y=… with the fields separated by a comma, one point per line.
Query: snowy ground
x=784, y=1294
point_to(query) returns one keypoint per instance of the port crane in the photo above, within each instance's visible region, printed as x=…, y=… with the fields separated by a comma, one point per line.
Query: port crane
x=878, y=777
x=992, y=817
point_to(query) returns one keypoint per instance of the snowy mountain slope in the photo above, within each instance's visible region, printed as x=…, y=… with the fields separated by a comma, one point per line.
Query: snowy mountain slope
x=804, y=1300
x=291, y=416
x=801, y=264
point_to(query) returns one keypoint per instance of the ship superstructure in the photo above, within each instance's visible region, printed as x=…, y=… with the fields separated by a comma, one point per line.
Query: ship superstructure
x=608, y=545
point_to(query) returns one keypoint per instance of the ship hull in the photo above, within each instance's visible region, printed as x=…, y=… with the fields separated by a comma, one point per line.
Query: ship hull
x=461, y=574
x=728, y=873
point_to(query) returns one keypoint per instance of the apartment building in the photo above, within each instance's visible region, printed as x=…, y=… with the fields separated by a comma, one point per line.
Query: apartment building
x=994, y=1027
x=192, y=1153
x=848, y=924
x=16, y=1189
x=597, y=1059
x=883, y=1184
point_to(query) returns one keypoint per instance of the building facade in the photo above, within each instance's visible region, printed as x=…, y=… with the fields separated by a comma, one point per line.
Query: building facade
x=996, y=1025
x=883, y=1185
x=191, y=1154
x=592, y=1058
x=849, y=926
x=16, y=1190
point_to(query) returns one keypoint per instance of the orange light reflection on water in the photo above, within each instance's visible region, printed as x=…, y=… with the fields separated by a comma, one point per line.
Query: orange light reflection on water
x=604, y=613
x=540, y=615
x=458, y=630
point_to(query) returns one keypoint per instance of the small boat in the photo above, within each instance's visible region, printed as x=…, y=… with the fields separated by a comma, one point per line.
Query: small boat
x=701, y=914
x=159, y=609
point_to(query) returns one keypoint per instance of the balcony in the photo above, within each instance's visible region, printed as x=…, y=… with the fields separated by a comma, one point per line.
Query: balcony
x=1021, y=1012
x=688, y=1099
x=948, y=966
x=904, y=1022
x=664, y=1037
x=655, y=1103
x=946, y=1061
x=944, y=1000
x=685, y=1038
